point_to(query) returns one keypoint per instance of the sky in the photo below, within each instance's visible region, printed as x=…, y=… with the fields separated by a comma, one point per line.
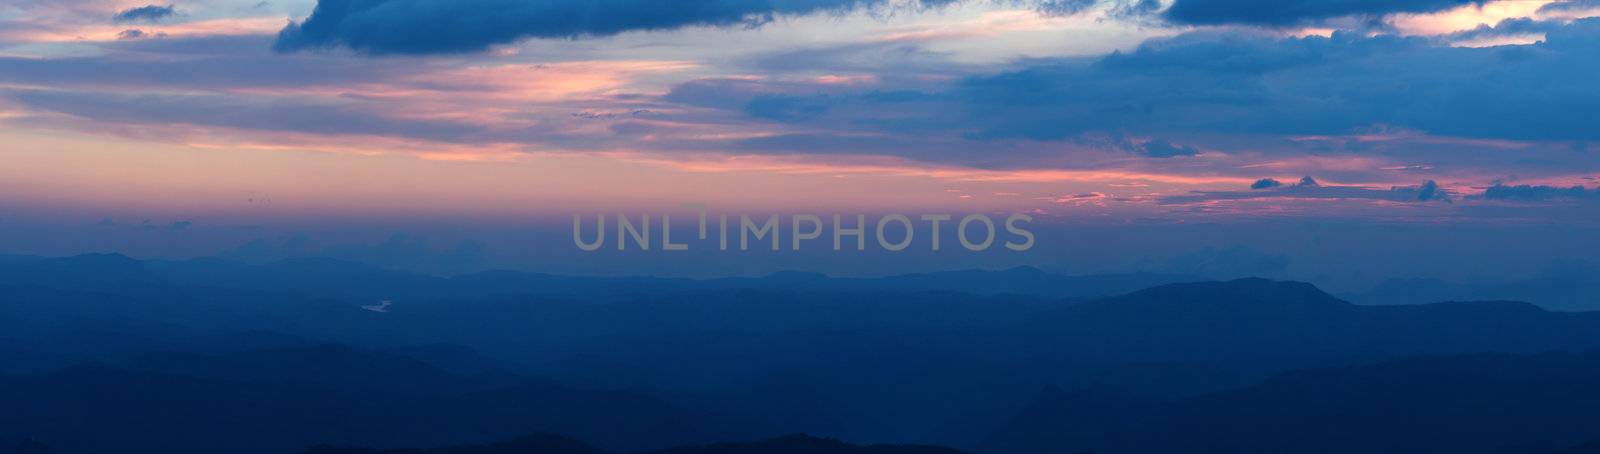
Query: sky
x=1381, y=135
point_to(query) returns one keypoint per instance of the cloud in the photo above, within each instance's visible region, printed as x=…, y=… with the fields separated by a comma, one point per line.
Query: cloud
x=1065, y=7
x=1538, y=192
x=1429, y=191
x=1265, y=183
x=1309, y=188
x=241, y=112
x=1569, y=6
x=456, y=26
x=785, y=108
x=147, y=13
x=1243, y=82
x=1163, y=149
x=132, y=33
x=1519, y=26
x=178, y=64
x=1414, y=101
x=1293, y=12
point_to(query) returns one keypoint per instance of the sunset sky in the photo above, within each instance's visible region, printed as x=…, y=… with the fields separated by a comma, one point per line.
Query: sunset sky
x=245, y=119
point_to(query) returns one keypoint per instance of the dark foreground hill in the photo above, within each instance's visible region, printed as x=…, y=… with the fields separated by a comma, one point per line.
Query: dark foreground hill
x=550, y=444
x=276, y=401
x=1461, y=404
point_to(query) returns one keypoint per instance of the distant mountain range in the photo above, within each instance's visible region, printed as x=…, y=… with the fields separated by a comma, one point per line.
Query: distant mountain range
x=213, y=356
x=1563, y=293
x=329, y=277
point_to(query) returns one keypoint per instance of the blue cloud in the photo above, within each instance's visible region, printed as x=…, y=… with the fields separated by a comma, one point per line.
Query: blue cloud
x=147, y=13
x=785, y=108
x=1163, y=149
x=1506, y=27
x=1308, y=188
x=455, y=26
x=1291, y=12
x=1201, y=88
x=1429, y=191
x=1568, y=6
x=1243, y=82
x=1538, y=192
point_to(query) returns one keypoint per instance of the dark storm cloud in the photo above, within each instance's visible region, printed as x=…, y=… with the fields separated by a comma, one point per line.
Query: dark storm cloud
x=1291, y=12
x=429, y=27
x=147, y=13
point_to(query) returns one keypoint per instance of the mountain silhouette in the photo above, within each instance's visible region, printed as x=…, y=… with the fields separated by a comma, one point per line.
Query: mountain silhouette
x=31, y=446
x=1474, y=403
x=1560, y=292
x=281, y=400
x=550, y=444
x=248, y=355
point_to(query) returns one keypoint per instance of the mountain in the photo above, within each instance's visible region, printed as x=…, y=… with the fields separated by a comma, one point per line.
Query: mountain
x=1559, y=292
x=550, y=444
x=343, y=279
x=1256, y=327
x=1023, y=280
x=537, y=443
x=31, y=446
x=871, y=359
x=281, y=400
x=330, y=366
x=1472, y=403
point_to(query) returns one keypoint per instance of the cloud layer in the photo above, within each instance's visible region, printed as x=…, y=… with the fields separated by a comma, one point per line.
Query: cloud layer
x=427, y=27
x=1294, y=12
x=1129, y=110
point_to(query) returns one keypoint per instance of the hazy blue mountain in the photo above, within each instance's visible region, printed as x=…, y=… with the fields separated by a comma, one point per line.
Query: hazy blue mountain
x=1020, y=280
x=331, y=366
x=895, y=359
x=337, y=278
x=1474, y=403
x=1256, y=322
x=1564, y=293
